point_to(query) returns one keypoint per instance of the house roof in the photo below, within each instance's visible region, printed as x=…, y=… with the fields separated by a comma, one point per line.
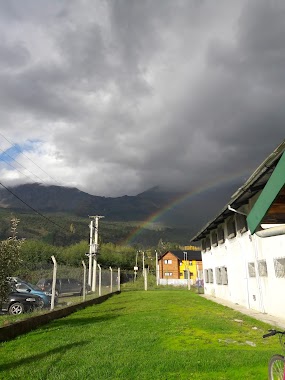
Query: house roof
x=271, y=200
x=191, y=255
x=255, y=183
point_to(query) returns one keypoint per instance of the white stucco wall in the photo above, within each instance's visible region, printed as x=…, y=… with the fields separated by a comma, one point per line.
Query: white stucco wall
x=262, y=293
x=272, y=287
x=231, y=254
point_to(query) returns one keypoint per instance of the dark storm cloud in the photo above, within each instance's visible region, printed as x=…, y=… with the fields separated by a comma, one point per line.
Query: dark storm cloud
x=143, y=93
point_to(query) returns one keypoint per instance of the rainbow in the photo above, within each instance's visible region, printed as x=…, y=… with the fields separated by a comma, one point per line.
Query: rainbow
x=153, y=218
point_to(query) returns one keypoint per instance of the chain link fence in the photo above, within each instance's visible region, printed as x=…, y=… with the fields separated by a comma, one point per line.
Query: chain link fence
x=69, y=284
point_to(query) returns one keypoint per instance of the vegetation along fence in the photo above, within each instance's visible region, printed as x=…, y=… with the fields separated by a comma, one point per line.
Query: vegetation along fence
x=70, y=283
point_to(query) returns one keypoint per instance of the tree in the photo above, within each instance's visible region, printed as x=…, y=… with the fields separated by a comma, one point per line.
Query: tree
x=72, y=228
x=9, y=259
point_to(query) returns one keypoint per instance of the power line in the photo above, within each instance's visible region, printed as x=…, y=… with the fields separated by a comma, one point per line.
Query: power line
x=36, y=211
x=8, y=163
x=16, y=196
x=12, y=166
x=19, y=150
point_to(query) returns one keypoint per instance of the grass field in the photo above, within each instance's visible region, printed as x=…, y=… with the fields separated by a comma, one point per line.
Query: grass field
x=161, y=334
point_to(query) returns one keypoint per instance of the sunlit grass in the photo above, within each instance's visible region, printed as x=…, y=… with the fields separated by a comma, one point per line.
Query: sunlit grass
x=161, y=334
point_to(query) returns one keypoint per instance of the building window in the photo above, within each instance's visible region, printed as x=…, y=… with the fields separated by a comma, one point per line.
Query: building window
x=186, y=275
x=203, y=245
x=206, y=274
x=251, y=269
x=231, y=228
x=218, y=276
x=208, y=243
x=168, y=274
x=167, y=261
x=185, y=256
x=214, y=239
x=241, y=223
x=262, y=268
x=211, y=277
x=221, y=235
x=279, y=266
x=224, y=274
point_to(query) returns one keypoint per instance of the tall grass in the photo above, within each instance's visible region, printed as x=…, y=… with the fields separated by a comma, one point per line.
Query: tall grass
x=161, y=334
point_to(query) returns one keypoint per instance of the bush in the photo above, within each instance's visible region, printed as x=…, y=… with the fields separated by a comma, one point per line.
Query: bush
x=10, y=259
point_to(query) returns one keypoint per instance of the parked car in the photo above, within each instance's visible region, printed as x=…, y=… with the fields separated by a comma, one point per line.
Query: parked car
x=18, y=303
x=23, y=286
x=64, y=286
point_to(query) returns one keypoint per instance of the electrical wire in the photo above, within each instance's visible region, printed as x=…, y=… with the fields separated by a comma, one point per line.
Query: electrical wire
x=20, y=165
x=36, y=211
x=12, y=166
x=19, y=150
x=10, y=191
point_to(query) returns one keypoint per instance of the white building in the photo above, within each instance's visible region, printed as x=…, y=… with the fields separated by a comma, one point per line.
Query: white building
x=243, y=262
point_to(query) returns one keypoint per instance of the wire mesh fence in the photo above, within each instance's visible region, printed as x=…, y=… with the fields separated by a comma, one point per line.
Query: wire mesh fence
x=63, y=285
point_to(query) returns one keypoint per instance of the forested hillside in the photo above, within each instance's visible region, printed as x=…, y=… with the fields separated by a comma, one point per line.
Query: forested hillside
x=65, y=229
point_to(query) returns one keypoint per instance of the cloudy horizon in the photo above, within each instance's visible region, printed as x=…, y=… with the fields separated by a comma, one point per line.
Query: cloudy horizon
x=115, y=97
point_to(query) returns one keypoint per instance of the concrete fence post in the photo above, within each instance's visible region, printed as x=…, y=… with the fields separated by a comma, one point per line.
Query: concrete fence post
x=188, y=280
x=53, y=282
x=145, y=279
x=100, y=280
x=84, y=280
x=111, y=279
x=119, y=279
x=157, y=268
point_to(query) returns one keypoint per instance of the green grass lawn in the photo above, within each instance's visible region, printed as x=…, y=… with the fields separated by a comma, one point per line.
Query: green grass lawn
x=161, y=334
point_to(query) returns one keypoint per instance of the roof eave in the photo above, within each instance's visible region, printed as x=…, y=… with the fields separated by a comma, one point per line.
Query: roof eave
x=225, y=212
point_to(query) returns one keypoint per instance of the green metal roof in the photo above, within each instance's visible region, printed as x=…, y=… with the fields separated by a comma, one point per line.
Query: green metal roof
x=255, y=183
x=267, y=196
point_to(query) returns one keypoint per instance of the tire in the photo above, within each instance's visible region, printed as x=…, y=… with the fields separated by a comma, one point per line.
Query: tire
x=41, y=304
x=16, y=308
x=276, y=368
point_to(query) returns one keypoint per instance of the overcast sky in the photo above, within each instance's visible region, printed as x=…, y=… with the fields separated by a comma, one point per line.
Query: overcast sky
x=114, y=97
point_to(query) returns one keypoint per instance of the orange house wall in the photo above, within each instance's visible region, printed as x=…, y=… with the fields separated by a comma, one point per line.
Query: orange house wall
x=174, y=267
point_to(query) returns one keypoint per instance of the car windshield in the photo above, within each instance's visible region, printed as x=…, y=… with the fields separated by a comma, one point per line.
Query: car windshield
x=33, y=287
x=27, y=285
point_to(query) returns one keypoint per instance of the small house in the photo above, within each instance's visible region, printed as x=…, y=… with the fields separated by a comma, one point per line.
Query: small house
x=178, y=265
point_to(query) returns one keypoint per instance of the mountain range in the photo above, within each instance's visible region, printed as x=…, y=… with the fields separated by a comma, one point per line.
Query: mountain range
x=190, y=212
x=71, y=200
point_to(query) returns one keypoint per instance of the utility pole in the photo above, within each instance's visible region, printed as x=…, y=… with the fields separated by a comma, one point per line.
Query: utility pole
x=94, y=248
x=90, y=252
x=96, y=217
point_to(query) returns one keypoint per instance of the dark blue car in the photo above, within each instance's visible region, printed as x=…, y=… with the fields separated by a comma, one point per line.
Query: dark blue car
x=23, y=286
x=18, y=303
